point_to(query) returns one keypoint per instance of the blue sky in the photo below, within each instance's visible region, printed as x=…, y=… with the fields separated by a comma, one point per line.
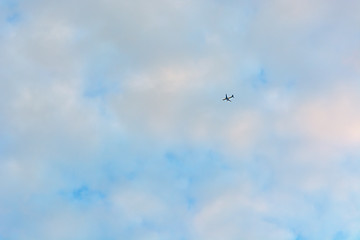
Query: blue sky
x=112, y=124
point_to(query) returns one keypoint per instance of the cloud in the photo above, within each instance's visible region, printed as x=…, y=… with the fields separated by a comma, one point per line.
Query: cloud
x=332, y=118
x=112, y=124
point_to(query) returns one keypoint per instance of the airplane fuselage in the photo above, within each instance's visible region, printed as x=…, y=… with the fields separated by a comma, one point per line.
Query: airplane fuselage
x=228, y=98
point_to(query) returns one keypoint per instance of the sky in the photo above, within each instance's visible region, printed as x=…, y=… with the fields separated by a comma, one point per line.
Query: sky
x=112, y=124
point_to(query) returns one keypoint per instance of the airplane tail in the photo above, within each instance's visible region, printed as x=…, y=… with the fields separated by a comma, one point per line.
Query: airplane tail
x=232, y=96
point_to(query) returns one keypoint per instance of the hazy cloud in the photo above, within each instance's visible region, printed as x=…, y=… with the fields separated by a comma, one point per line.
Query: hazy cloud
x=112, y=124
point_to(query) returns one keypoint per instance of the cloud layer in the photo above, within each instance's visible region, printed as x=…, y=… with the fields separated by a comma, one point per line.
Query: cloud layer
x=112, y=124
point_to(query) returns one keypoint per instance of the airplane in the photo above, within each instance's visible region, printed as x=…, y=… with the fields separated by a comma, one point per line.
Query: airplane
x=228, y=98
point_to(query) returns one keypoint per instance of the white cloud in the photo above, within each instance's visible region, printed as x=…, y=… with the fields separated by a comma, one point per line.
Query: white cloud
x=237, y=215
x=331, y=118
x=290, y=140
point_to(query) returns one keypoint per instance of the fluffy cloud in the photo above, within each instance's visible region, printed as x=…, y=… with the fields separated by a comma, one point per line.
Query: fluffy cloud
x=113, y=126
